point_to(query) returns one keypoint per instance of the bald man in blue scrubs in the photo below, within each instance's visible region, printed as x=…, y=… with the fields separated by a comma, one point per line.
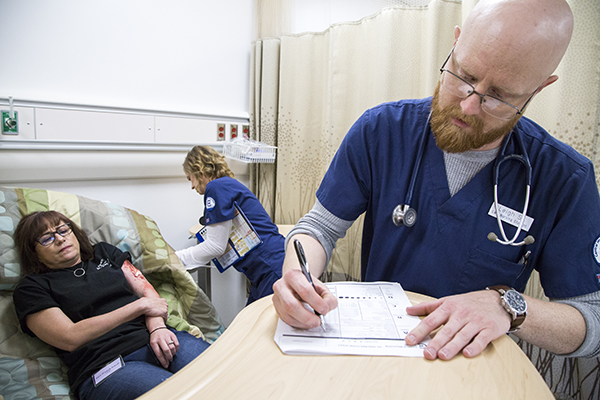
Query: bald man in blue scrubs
x=506, y=53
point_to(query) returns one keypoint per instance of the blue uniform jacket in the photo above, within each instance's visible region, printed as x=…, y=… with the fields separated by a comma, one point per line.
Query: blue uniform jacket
x=447, y=251
x=262, y=265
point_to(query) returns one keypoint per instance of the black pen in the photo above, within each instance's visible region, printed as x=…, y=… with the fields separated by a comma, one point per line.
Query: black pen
x=525, y=258
x=305, y=271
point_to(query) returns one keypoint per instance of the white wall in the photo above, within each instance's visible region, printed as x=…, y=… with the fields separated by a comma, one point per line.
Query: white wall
x=178, y=55
x=182, y=60
x=185, y=59
x=152, y=184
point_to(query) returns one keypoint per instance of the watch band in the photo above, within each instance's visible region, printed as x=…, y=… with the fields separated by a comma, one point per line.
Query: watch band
x=517, y=318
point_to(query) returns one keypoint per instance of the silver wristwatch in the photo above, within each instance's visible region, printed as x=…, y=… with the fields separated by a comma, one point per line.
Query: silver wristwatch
x=514, y=303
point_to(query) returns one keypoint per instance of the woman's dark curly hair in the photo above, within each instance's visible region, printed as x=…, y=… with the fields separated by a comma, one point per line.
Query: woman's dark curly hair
x=32, y=226
x=204, y=161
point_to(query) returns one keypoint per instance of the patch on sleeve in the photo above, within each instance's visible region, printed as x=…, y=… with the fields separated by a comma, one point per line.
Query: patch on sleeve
x=596, y=250
x=210, y=204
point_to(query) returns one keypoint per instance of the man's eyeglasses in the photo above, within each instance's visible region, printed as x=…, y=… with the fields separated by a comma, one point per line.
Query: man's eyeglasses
x=490, y=104
x=48, y=238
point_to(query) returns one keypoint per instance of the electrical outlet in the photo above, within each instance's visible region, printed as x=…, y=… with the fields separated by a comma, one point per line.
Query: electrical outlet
x=233, y=131
x=9, y=125
x=246, y=131
x=220, y=132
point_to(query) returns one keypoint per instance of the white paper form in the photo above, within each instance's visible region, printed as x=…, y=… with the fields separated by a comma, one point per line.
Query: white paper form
x=370, y=319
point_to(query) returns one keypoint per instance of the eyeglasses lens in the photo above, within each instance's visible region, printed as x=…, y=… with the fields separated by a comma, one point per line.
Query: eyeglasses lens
x=48, y=238
x=490, y=105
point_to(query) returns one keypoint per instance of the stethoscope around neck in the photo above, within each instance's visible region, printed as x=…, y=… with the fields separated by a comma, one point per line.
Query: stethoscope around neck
x=405, y=215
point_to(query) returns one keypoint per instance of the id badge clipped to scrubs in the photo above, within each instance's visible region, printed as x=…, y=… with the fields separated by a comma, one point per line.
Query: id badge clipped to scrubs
x=243, y=238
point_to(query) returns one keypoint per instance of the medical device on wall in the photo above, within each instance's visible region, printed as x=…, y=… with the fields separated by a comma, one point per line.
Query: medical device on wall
x=405, y=215
x=9, y=120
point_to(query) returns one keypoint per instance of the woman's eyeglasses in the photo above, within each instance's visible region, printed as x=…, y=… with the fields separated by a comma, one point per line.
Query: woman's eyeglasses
x=48, y=238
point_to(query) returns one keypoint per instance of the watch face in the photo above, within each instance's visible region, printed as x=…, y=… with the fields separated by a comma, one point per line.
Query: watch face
x=516, y=301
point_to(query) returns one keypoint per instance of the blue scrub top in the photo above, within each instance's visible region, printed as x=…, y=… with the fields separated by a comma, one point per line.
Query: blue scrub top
x=447, y=251
x=262, y=265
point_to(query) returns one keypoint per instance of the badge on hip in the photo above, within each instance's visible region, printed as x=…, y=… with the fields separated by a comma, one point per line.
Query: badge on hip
x=108, y=370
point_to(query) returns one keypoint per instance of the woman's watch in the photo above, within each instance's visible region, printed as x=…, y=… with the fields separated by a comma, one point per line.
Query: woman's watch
x=514, y=303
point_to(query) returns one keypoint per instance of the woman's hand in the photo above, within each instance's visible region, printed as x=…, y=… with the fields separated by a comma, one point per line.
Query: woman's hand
x=163, y=342
x=154, y=307
x=165, y=345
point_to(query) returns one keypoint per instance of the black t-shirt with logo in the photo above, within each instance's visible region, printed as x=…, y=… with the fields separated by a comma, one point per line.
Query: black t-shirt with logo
x=101, y=289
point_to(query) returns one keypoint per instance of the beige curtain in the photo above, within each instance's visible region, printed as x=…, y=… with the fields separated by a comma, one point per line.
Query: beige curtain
x=570, y=108
x=308, y=89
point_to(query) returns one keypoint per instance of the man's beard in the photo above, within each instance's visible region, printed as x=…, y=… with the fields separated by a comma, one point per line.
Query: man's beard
x=453, y=139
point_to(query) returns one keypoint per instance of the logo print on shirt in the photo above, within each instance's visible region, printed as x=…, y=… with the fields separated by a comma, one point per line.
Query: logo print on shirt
x=596, y=250
x=210, y=203
x=103, y=263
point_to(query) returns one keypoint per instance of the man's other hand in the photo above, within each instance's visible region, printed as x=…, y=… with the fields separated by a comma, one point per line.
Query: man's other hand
x=470, y=322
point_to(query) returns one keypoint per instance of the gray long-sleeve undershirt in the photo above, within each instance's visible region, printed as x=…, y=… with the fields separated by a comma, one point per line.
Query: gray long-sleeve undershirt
x=325, y=227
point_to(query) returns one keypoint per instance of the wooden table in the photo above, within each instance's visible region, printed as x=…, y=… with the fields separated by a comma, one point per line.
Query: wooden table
x=245, y=363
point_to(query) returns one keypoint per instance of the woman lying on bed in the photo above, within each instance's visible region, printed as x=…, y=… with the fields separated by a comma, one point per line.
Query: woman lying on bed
x=106, y=322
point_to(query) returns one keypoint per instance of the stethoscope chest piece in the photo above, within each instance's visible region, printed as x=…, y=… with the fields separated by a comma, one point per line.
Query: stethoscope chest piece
x=403, y=215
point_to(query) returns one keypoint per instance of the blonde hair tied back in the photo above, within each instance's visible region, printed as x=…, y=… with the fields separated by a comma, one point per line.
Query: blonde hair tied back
x=204, y=161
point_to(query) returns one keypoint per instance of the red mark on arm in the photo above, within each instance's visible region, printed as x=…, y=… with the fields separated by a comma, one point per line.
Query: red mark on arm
x=137, y=280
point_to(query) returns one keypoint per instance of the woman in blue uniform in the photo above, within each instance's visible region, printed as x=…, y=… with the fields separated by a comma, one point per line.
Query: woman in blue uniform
x=210, y=176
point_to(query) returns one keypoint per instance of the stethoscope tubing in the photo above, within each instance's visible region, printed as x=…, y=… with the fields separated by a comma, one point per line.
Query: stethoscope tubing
x=502, y=157
x=413, y=178
x=520, y=227
x=524, y=159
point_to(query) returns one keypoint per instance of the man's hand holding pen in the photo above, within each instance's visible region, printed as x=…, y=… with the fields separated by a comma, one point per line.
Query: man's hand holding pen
x=306, y=271
x=294, y=289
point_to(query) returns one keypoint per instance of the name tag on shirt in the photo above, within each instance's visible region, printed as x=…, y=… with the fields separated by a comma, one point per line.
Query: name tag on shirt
x=108, y=370
x=511, y=217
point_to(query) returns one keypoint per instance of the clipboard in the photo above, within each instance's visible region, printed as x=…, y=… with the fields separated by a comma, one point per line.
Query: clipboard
x=243, y=238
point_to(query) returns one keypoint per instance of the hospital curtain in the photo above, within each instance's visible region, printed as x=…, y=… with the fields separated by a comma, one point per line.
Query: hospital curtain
x=307, y=89
x=569, y=109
